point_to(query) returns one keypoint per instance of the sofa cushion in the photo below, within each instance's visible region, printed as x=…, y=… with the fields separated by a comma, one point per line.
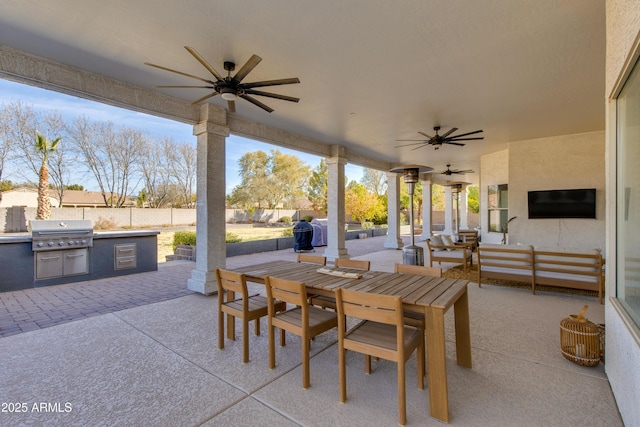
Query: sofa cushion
x=437, y=241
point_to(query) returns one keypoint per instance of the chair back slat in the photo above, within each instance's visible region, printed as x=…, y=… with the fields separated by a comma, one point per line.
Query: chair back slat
x=378, y=308
x=231, y=281
x=352, y=263
x=286, y=290
x=313, y=259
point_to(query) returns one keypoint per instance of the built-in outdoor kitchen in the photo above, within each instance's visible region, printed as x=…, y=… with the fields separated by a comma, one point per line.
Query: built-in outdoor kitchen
x=54, y=252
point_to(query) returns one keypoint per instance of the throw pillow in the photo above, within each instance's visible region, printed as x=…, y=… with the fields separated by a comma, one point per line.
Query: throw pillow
x=446, y=240
x=437, y=241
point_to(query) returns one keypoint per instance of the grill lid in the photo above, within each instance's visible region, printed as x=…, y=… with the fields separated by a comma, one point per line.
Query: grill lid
x=70, y=225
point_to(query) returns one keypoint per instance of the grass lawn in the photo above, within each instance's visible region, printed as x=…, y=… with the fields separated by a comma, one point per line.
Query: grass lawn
x=165, y=238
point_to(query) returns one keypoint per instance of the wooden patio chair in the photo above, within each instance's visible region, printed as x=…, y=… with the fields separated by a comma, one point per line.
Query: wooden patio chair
x=304, y=320
x=410, y=317
x=247, y=308
x=381, y=334
x=313, y=259
x=329, y=302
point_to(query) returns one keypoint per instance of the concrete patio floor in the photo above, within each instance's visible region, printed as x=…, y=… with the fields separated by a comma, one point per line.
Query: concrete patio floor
x=158, y=364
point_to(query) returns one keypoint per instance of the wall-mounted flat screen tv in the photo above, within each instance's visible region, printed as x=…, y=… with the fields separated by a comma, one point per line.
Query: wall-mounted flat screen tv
x=562, y=204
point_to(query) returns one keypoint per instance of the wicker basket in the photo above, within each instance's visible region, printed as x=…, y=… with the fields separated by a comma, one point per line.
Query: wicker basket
x=580, y=340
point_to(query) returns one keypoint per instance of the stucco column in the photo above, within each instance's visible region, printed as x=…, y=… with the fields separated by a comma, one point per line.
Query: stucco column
x=426, y=209
x=448, y=211
x=211, y=250
x=463, y=209
x=393, y=212
x=335, y=204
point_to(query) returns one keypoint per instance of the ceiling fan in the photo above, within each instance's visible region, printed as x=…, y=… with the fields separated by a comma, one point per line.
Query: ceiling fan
x=231, y=88
x=450, y=172
x=438, y=140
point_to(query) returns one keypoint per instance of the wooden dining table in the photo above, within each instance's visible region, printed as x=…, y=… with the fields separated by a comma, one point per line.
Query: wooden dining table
x=432, y=296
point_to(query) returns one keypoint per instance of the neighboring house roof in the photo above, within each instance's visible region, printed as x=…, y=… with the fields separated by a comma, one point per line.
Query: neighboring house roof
x=92, y=199
x=23, y=197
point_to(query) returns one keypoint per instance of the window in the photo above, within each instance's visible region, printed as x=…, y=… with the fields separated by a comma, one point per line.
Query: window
x=628, y=195
x=497, y=204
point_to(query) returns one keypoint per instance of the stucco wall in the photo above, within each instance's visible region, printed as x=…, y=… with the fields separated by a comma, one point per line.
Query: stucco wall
x=623, y=338
x=557, y=163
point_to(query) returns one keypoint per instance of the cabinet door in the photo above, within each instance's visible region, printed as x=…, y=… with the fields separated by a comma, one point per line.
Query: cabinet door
x=49, y=264
x=76, y=261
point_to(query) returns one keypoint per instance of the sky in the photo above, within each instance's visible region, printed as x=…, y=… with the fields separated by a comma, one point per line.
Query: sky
x=70, y=107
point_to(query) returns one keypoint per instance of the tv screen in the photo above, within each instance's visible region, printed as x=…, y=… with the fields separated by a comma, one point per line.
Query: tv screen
x=562, y=204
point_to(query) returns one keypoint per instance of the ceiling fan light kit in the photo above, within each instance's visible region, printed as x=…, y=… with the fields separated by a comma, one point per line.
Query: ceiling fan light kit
x=230, y=88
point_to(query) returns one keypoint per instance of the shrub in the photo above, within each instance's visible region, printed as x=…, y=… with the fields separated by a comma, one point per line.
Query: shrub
x=104, y=224
x=287, y=232
x=285, y=219
x=367, y=225
x=233, y=238
x=307, y=218
x=184, y=238
x=189, y=238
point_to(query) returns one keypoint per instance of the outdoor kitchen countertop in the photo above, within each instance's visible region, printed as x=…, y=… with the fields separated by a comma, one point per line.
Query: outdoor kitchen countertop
x=26, y=237
x=124, y=233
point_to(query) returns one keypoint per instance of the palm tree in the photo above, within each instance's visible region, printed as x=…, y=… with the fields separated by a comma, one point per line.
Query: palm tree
x=44, y=147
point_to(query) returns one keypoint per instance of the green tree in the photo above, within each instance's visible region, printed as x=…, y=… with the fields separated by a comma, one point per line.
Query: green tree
x=317, y=187
x=44, y=146
x=76, y=187
x=269, y=179
x=437, y=197
x=405, y=199
x=362, y=204
x=6, y=185
x=473, y=199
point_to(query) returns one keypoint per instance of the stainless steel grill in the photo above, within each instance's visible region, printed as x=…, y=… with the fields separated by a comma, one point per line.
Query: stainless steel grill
x=51, y=235
x=61, y=248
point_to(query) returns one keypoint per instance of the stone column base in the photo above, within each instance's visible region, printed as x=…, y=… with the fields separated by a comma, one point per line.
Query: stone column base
x=203, y=282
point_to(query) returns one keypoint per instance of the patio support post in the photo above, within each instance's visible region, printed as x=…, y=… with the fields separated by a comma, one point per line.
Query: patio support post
x=426, y=208
x=448, y=211
x=393, y=212
x=211, y=249
x=335, y=205
x=463, y=209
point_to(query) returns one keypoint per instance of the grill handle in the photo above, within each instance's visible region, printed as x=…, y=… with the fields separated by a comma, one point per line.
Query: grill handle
x=56, y=233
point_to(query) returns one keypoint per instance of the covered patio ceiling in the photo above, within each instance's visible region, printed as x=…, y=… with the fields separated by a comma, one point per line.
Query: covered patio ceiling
x=371, y=71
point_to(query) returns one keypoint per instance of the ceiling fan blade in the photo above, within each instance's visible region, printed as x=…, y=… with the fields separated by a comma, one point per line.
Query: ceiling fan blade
x=199, y=100
x=182, y=87
x=465, y=139
x=232, y=106
x=449, y=132
x=257, y=103
x=272, y=95
x=178, y=72
x=410, y=145
x=289, y=81
x=468, y=133
x=453, y=143
x=413, y=149
x=204, y=62
x=247, y=67
x=425, y=135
